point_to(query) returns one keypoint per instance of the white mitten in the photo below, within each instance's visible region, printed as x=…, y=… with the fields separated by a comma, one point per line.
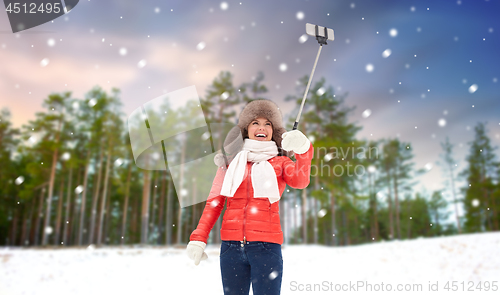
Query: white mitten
x=196, y=251
x=295, y=141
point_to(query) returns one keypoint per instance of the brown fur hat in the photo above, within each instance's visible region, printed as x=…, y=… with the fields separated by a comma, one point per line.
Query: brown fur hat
x=266, y=109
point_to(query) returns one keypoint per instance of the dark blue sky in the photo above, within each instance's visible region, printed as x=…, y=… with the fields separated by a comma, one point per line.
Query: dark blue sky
x=440, y=50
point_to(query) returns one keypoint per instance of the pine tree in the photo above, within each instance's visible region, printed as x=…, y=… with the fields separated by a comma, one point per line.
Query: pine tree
x=480, y=202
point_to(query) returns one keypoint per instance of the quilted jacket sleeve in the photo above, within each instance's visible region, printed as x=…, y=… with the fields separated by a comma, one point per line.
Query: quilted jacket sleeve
x=213, y=208
x=297, y=174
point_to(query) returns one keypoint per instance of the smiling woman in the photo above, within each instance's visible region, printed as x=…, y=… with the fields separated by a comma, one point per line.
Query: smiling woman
x=260, y=129
x=252, y=185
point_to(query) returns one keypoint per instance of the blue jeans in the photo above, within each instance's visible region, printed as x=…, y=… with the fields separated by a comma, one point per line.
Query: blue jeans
x=259, y=263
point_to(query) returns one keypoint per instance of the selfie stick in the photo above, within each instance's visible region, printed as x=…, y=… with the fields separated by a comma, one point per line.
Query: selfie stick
x=322, y=34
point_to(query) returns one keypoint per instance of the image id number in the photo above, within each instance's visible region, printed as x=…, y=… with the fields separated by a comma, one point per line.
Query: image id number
x=33, y=8
x=471, y=286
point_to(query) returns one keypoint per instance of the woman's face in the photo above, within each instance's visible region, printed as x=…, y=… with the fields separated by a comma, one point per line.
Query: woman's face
x=260, y=129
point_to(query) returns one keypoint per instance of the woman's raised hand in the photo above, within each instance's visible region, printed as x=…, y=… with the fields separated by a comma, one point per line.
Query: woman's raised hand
x=295, y=141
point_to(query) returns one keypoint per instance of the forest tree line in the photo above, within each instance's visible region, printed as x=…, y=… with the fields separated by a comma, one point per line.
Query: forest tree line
x=68, y=177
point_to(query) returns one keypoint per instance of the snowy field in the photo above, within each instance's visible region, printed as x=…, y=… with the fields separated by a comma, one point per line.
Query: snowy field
x=416, y=266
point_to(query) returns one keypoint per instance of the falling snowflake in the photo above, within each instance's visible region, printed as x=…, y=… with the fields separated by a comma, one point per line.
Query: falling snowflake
x=224, y=6
x=428, y=166
x=371, y=169
x=303, y=38
x=322, y=213
x=19, y=180
x=393, y=32
x=118, y=162
x=79, y=189
x=91, y=247
x=44, y=62
x=300, y=15
x=92, y=102
x=369, y=68
x=475, y=202
x=205, y=136
x=224, y=95
x=283, y=67
x=184, y=192
x=65, y=156
x=386, y=53
x=366, y=113
x=48, y=230
x=442, y=122
x=273, y=275
x=32, y=139
x=320, y=91
x=157, y=9
x=254, y=210
x=201, y=45
x=123, y=51
x=141, y=63
x=328, y=157
x=473, y=88
x=214, y=203
x=51, y=42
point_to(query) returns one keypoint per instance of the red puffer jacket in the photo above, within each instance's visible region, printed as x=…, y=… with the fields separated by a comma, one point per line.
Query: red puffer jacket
x=248, y=218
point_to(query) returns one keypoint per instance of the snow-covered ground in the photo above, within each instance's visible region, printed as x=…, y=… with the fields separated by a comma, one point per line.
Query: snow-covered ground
x=415, y=265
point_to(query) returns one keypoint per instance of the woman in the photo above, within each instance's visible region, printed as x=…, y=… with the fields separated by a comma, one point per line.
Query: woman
x=252, y=184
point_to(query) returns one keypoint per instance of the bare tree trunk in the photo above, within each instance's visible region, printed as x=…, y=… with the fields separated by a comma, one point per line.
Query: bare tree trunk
x=315, y=207
x=125, y=205
x=373, y=197
x=45, y=236
x=72, y=236
x=285, y=220
x=135, y=220
x=332, y=208
x=13, y=233
x=193, y=216
x=294, y=216
x=107, y=217
x=59, y=213
x=162, y=204
x=30, y=229
x=24, y=226
x=153, y=203
x=396, y=202
x=389, y=197
x=169, y=215
x=409, y=220
x=104, y=192
x=68, y=208
x=39, y=216
x=304, y=216
x=180, y=194
x=83, y=199
x=146, y=191
x=95, y=197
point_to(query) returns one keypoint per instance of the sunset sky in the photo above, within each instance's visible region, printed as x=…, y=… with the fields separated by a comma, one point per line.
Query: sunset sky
x=412, y=64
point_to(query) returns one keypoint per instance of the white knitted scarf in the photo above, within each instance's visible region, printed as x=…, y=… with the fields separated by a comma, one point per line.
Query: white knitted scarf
x=264, y=182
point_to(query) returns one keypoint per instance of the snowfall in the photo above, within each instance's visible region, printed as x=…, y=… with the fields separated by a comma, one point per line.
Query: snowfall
x=462, y=264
